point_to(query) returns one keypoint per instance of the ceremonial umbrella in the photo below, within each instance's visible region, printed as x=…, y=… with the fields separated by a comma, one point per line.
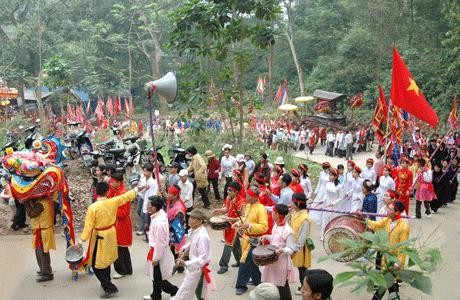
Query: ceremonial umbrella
x=303, y=99
x=287, y=107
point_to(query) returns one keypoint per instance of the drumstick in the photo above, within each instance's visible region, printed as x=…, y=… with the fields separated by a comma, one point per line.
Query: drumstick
x=352, y=213
x=238, y=213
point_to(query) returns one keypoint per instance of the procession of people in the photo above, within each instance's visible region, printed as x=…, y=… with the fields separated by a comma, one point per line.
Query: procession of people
x=265, y=206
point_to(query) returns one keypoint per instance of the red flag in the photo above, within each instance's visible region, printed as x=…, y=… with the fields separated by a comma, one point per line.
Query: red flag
x=397, y=125
x=117, y=107
x=140, y=128
x=99, y=110
x=260, y=89
x=380, y=116
x=407, y=95
x=127, y=110
x=278, y=94
x=109, y=106
x=79, y=113
x=453, y=119
x=70, y=112
x=62, y=115
x=131, y=104
x=357, y=101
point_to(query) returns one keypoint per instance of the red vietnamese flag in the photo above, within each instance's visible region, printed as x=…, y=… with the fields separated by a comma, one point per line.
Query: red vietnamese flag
x=131, y=105
x=407, y=95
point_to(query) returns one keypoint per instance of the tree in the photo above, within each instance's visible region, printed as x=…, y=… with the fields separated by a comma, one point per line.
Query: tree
x=288, y=32
x=221, y=33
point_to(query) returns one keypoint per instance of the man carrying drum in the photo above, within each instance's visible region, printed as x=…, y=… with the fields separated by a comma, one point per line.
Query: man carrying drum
x=399, y=231
x=254, y=224
x=100, y=230
x=233, y=208
x=281, y=272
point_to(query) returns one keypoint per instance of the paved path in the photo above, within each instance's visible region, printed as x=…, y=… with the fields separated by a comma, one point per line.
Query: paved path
x=18, y=264
x=319, y=156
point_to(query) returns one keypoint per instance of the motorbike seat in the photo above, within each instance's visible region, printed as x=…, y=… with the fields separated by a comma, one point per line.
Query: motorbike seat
x=131, y=139
x=116, y=151
x=179, y=150
x=107, y=144
x=9, y=144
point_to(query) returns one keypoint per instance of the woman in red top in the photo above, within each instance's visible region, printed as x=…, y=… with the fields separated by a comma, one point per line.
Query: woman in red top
x=274, y=185
x=213, y=173
x=123, y=227
x=239, y=177
x=295, y=184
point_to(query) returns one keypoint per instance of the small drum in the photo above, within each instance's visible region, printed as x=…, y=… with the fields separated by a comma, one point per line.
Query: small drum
x=74, y=255
x=343, y=227
x=219, y=223
x=264, y=255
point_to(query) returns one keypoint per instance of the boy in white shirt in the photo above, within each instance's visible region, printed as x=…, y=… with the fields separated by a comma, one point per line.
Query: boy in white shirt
x=186, y=192
x=148, y=187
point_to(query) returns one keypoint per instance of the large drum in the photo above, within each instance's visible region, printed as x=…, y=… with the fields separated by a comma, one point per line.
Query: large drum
x=219, y=223
x=339, y=228
x=264, y=255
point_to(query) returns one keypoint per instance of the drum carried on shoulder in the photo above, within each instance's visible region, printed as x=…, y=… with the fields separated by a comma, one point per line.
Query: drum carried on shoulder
x=343, y=227
x=219, y=223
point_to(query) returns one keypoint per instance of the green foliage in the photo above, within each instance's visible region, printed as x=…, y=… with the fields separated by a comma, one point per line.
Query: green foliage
x=114, y=47
x=58, y=72
x=422, y=262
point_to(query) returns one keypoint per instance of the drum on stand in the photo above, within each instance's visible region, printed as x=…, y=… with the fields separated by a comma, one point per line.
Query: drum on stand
x=264, y=255
x=343, y=227
x=219, y=223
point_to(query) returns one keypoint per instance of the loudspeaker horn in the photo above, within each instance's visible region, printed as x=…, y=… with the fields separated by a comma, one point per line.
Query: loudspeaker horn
x=166, y=86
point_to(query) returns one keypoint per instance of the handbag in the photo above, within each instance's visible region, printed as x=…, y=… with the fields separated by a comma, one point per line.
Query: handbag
x=310, y=244
x=178, y=231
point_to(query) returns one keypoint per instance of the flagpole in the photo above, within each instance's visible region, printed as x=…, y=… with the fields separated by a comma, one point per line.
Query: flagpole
x=386, y=133
x=152, y=136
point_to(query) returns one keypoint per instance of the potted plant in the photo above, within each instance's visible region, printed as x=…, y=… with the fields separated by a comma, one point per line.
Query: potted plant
x=365, y=276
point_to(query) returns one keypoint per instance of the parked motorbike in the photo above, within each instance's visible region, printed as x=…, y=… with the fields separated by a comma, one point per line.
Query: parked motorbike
x=71, y=141
x=10, y=144
x=149, y=154
x=177, y=154
x=134, y=154
x=85, y=147
x=32, y=134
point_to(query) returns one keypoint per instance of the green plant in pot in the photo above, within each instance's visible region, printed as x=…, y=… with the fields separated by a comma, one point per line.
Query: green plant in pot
x=365, y=275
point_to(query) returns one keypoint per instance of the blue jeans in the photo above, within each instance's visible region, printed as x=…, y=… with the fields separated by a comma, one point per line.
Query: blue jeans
x=246, y=271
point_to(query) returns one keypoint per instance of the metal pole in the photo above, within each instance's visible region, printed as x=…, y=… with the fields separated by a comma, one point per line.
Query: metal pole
x=152, y=135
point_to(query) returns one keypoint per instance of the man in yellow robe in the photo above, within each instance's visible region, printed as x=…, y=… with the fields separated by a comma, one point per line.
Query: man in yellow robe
x=43, y=236
x=254, y=225
x=399, y=231
x=100, y=231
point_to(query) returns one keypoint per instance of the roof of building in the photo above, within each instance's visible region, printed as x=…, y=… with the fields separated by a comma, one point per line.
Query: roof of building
x=330, y=96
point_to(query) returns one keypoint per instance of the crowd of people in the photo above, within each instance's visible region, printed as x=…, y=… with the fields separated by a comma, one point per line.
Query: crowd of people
x=262, y=202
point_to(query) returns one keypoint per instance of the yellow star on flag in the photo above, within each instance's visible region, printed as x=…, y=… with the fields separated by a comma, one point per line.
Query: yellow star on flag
x=413, y=86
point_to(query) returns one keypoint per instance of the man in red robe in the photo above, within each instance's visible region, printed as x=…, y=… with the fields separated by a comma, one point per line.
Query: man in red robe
x=403, y=181
x=232, y=208
x=123, y=227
